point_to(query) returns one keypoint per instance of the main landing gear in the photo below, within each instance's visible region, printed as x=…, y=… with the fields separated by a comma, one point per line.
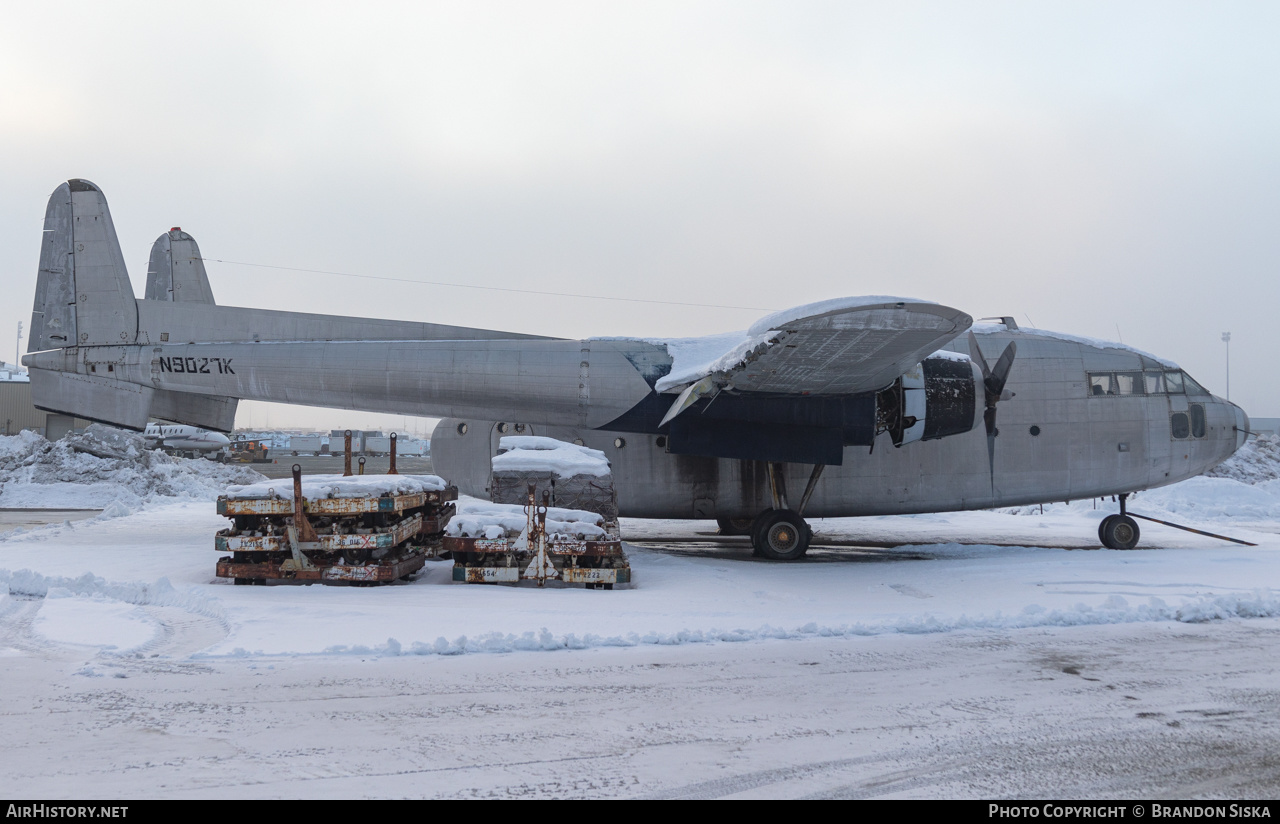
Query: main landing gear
x=1119, y=531
x=779, y=533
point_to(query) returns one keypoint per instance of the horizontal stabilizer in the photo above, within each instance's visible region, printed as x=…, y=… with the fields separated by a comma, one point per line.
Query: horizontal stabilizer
x=93, y=398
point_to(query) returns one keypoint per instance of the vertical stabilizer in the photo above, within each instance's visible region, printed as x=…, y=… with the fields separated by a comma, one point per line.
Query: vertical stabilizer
x=83, y=294
x=176, y=270
x=53, y=317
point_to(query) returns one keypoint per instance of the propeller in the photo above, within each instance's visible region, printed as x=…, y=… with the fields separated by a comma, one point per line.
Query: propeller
x=993, y=381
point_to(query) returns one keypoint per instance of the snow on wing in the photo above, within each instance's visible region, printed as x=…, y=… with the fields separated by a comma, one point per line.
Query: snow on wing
x=845, y=347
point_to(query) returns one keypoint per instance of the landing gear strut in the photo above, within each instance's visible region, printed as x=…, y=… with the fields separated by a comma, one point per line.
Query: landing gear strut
x=780, y=534
x=1119, y=531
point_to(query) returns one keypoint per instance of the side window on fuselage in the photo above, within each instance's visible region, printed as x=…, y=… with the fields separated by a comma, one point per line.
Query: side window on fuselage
x=1116, y=383
x=1198, y=429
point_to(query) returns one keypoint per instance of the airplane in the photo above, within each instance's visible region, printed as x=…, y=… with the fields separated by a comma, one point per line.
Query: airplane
x=870, y=405
x=180, y=438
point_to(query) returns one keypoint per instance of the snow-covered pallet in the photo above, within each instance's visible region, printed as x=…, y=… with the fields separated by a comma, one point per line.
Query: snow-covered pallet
x=361, y=529
x=507, y=543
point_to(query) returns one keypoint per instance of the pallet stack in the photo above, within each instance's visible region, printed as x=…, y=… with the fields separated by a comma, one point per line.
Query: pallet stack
x=333, y=528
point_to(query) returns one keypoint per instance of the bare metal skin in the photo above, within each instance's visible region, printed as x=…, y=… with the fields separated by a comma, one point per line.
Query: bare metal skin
x=847, y=409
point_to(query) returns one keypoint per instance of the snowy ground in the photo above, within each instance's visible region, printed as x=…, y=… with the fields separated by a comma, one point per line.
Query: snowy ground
x=963, y=655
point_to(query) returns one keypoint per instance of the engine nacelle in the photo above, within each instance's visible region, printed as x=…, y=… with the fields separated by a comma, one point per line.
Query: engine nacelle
x=935, y=399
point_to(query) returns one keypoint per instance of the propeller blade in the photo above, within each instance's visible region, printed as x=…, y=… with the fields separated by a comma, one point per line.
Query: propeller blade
x=976, y=354
x=995, y=382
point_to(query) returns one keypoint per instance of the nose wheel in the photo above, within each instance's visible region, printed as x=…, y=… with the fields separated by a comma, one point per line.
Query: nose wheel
x=1119, y=531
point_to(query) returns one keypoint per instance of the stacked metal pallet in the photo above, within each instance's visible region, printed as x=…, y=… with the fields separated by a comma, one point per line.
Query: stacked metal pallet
x=359, y=529
x=523, y=536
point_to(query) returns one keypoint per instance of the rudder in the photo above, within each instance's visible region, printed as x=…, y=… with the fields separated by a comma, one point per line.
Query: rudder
x=83, y=294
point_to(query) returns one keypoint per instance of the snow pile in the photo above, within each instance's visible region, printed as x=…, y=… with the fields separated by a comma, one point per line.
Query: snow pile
x=478, y=519
x=1213, y=499
x=102, y=466
x=1115, y=609
x=339, y=486
x=158, y=593
x=1255, y=462
x=1198, y=499
x=530, y=453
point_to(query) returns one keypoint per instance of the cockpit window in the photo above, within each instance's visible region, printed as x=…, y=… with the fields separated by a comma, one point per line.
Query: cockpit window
x=1154, y=382
x=1173, y=383
x=1100, y=384
x=1194, y=388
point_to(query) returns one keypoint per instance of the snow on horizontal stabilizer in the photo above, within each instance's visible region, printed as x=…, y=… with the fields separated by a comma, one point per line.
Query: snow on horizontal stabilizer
x=176, y=270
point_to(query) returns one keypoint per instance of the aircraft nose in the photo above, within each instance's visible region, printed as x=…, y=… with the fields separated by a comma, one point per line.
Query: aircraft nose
x=1242, y=426
x=220, y=439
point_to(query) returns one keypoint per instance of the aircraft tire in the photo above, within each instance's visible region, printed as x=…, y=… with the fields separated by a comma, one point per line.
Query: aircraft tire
x=1102, y=525
x=1120, y=532
x=783, y=536
x=757, y=524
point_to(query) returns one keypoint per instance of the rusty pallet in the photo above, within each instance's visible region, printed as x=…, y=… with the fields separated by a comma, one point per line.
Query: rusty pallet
x=228, y=540
x=336, y=506
x=512, y=575
x=364, y=540
x=282, y=568
x=537, y=555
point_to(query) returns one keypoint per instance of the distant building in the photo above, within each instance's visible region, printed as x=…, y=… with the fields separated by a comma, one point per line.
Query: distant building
x=1265, y=426
x=18, y=413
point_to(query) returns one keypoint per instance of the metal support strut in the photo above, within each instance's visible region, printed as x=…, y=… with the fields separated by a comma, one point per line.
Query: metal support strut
x=778, y=484
x=812, y=485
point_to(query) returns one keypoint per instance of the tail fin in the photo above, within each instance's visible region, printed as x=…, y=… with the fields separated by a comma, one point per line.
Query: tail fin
x=83, y=294
x=176, y=270
x=84, y=299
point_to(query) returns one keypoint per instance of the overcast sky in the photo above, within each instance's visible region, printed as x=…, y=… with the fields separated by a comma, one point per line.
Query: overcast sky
x=1105, y=169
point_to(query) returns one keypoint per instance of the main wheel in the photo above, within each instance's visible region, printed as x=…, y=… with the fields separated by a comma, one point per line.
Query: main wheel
x=1120, y=532
x=757, y=525
x=735, y=526
x=783, y=536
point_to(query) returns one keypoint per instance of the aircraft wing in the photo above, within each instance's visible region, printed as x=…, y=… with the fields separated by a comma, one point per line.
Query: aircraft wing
x=839, y=347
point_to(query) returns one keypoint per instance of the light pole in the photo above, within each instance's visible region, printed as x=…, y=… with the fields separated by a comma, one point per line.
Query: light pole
x=17, y=349
x=1226, y=338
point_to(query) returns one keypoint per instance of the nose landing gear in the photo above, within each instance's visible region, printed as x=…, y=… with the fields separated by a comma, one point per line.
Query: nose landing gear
x=1119, y=531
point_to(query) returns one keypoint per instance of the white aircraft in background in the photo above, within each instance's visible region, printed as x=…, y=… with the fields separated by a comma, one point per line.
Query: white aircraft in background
x=173, y=437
